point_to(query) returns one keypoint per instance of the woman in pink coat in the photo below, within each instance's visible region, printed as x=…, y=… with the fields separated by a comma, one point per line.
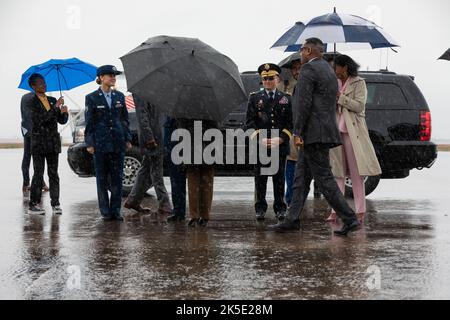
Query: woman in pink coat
x=356, y=157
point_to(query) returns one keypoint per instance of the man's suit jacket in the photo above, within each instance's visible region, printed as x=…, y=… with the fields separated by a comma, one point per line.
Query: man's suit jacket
x=150, y=126
x=314, y=104
x=45, y=137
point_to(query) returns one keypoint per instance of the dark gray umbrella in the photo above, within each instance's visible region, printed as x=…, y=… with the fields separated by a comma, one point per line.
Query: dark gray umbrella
x=185, y=77
x=445, y=56
x=287, y=62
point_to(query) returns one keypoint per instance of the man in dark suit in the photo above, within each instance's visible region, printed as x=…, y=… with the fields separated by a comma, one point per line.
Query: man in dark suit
x=46, y=113
x=107, y=137
x=151, y=142
x=267, y=110
x=315, y=128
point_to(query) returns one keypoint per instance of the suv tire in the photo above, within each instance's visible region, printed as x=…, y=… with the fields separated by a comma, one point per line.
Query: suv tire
x=133, y=160
x=370, y=184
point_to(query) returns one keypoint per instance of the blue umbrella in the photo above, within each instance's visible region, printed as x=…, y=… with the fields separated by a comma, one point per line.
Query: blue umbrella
x=61, y=74
x=354, y=31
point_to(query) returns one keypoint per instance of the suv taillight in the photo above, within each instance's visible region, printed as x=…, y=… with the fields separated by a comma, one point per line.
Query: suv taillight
x=425, y=126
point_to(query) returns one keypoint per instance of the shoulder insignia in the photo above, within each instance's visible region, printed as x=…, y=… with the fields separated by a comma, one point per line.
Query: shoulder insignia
x=284, y=100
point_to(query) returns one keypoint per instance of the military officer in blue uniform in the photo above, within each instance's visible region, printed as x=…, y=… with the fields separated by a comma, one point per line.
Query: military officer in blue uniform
x=271, y=109
x=107, y=136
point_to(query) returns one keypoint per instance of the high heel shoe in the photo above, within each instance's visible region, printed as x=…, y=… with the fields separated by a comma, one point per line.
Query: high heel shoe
x=332, y=218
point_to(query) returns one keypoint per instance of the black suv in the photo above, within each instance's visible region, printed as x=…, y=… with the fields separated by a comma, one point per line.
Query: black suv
x=397, y=116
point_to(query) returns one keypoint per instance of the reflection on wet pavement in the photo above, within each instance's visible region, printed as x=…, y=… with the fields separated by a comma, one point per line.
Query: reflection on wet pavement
x=402, y=252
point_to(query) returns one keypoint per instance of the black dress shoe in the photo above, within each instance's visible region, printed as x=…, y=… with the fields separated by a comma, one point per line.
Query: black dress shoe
x=260, y=216
x=286, y=226
x=136, y=207
x=108, y=218
x=119, y=218
x=281, y=215
x=346, y=229
x=193, y=222
x=175, y=218
x=203, y=222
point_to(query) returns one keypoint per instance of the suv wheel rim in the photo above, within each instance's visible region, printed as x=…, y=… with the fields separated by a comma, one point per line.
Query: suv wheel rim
x=130, y=169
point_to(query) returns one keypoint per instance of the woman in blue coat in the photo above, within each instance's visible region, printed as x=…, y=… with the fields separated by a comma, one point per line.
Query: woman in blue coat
x=108, y=136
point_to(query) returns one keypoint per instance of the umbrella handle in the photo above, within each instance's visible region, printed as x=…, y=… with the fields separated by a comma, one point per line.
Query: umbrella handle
x=59, y=81
x=334, y=55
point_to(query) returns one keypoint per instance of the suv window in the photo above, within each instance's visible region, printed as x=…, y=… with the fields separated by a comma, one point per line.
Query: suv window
x=385, y=95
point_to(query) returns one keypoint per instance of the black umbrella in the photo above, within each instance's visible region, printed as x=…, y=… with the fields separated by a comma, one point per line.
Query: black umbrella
x=287, y=62
x=185, y=77
x=445, y=56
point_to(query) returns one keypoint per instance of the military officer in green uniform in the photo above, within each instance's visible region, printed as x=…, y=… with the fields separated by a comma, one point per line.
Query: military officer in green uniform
x=269, y=110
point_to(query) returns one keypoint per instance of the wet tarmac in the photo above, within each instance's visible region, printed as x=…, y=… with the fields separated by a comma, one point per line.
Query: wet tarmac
x=403, y=251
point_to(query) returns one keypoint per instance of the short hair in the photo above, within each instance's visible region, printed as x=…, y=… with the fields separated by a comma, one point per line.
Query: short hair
x=317, y=43
x=352, y=67
x=32, y=79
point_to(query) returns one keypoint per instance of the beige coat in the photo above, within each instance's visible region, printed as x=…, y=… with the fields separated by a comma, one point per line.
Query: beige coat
x=353, y=103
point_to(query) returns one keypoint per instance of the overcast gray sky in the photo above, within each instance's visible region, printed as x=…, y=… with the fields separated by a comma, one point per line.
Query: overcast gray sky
x=99, y=32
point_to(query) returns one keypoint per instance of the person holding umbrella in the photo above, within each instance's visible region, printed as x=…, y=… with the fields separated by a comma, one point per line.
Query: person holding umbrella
x=150, y=129
x=46, y=113
x=26, y=128
x=107, y=137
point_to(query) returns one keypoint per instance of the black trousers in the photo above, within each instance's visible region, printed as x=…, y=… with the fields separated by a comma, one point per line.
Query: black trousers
x=26, y=160
x=38, y=178
x=314, y=162
x=278, y=181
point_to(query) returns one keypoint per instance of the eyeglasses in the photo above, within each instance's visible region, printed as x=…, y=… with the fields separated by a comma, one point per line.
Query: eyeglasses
x=268, y=78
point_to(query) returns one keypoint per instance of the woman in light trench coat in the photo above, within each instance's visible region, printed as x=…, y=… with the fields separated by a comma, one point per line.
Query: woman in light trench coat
x=356, y=157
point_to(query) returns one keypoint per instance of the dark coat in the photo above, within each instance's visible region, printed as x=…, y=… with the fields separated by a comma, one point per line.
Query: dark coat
x=107, y=129
x=264, y=114
x=314, y=104
x=25, y=111
x=150, y=127
x=45, y=138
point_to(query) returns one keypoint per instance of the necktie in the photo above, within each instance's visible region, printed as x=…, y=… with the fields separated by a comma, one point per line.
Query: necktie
x=108, y=99
x=271, y=94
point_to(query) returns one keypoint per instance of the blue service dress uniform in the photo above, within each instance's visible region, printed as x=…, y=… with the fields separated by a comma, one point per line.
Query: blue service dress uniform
x=268, y=111
x=107, y=130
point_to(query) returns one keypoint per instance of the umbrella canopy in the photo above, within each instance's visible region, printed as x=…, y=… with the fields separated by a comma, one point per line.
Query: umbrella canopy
x=287, y=62
x=445, y=56
x=354, y=31
x=185, y=77
x=61, y=74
